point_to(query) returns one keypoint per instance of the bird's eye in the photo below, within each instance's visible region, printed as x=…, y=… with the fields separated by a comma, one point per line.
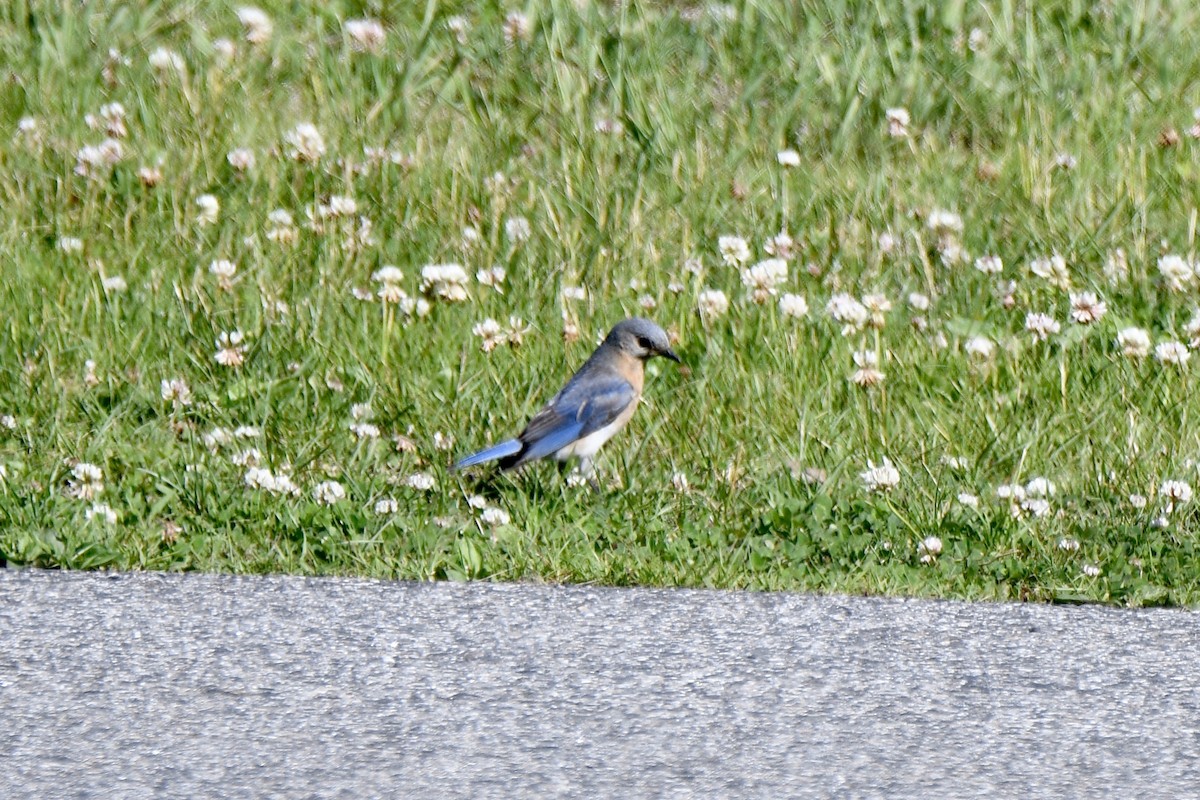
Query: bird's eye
x=645, y=343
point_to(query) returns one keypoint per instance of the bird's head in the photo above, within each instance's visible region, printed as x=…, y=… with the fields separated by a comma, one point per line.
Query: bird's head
x=642, y=339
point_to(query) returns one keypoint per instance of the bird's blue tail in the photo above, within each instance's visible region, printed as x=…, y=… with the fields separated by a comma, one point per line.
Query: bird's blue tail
x=511, y=447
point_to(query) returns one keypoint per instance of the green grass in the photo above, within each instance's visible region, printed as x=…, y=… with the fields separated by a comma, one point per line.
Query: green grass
x=705, y=97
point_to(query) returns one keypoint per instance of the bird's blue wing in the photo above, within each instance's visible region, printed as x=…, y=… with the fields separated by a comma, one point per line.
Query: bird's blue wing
x=580, y=409
x=509, y=448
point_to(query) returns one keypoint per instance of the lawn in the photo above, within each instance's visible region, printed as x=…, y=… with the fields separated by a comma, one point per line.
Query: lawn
x=932, y=273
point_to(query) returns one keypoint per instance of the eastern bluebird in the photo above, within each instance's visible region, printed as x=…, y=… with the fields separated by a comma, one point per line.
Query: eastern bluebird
x=595, y=404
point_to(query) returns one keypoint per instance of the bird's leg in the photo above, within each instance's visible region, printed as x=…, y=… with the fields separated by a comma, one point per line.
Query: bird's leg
x=587, y=470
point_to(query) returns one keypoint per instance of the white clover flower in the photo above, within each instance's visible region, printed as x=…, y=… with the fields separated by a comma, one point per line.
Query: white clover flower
x=980, y=348
x=364, y=430
x=517, y=229
x=493, y=277
x=1173, y=353
x=164, y=60
x=793, y=305
x=788, y=158
x=342, y=206
x=110, y=119
x=97, y=161
x=573, y=293
x=495, y=517
x=250, y=457
x=70, y=244
x=608, y=127
x=1090, y=570
x=516, y=331
x=1040, y=487
x=29, y=126
x=1053, y=270
x=285, y=485
x=897, y=122
x=887, y=243
x=459, y=27
x=712, y=303
x=328, y=493
x=421, y=481
x=781, y=245
x=989, y=265
x=1011, y=491
x=224, y=51
x=1116, y=267
x=366, y=35
x=1177, y=272
x=241, y=159
x=1134, y=342
x=224, y=270
x=734, y=250
x=952, y=253
x=257, y=24
x=8, y=421
x=114, y=283
x=868, y=373
x=1176, y=493
x=387, y=274
x=1068, y=545
x=1192, y=330
x=1036, y=506
x=1138, y=501
x=217, y=437
x=877, y=306
x=763, y=278
x=491, y=333
x=305, y=143
x=283, y=226
x=259, y=478
x=1065, y=161
x=517, y=28
x=969, y=500
x=918, y=301
x=263, y=479
x=102, y=511
x=176, y=391
x=442, y=442
x=944, y=223
x=231, y=352
x=679, y=482
x=1087, y=308
x=477, y=502
x=976, y=40
x=87, y=481
x=386, y=505
x=445, y=281
x=1042, y=326
x=882, y=478
x=246, y=432
x=930, y=548
x=853, y=315
x=209, y=208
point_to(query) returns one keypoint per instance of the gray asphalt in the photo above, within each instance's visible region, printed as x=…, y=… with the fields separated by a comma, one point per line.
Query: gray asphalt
x=200, y=686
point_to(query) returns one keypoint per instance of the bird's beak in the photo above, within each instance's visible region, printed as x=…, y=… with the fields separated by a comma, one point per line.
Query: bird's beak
x=668, y=353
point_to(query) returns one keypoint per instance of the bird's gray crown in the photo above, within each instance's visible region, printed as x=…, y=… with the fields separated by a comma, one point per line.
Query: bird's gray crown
x=641, y=338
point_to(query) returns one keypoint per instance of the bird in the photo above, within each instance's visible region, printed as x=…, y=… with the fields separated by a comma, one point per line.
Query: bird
x=594, y=405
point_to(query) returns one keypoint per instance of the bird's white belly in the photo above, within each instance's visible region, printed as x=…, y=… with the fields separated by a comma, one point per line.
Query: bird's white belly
x=588, y=445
